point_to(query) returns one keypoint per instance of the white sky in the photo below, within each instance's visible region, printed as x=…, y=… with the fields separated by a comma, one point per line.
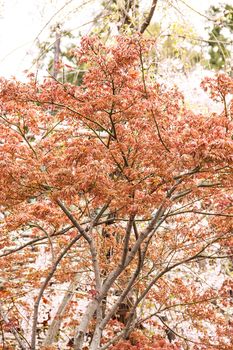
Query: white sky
x=21, y=21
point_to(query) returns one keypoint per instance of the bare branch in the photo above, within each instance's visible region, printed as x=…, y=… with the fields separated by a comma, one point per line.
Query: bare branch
x=149, y=17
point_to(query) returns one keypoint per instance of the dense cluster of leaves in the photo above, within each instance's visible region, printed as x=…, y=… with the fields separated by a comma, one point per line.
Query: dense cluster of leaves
x=112, y=195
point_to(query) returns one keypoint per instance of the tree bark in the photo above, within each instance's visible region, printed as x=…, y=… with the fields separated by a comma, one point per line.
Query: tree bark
x=54, y=328
x=93, y=305
x=82, y=329
x=148, y=17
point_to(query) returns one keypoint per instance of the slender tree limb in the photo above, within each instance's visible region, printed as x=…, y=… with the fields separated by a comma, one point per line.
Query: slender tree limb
x=140, y=321
x=13, y=330
x=181, y=336
x=201, y=213
x=158, y=131
x=124, y=294
x=15, y=250
x=93, y=305
x=158, y=276
x=55, y=325
x=73, y=220
x=43, y=287
x=126, y=240
x=148, y=17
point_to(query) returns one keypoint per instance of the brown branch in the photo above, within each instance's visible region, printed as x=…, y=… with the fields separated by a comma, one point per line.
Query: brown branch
x=158, y=276
x=57, y=52
x=126, y=240
x=201, y=213
x=149, y=17
x=167, y=308
x=196, y=11
x=73, y=220
x=124, y=293
x=158, y=131
x=93, y=305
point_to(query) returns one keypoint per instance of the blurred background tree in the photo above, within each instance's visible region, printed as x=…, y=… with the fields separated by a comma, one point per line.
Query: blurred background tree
x=220, y=36
x=180, y=48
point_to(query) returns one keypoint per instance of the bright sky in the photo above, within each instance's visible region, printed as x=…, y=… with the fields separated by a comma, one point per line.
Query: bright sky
x=21, y=22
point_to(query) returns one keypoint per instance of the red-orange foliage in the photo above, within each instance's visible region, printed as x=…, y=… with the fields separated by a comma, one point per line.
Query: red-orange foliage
x=138, y=341
x=114, y=195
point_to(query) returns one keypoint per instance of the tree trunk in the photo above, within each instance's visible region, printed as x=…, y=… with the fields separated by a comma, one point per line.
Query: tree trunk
x=54, y=328
x=82, y=329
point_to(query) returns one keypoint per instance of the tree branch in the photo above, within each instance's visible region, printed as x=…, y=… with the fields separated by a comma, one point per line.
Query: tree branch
x=73, y=220
x=59, y=233
x=149, y=17
x=43, y=287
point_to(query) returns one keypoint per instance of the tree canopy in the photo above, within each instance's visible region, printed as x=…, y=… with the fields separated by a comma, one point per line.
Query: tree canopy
x=113, y=196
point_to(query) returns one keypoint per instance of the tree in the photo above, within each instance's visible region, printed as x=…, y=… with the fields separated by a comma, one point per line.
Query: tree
x=113, y=195
x=219, y=52
x=126, y=16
